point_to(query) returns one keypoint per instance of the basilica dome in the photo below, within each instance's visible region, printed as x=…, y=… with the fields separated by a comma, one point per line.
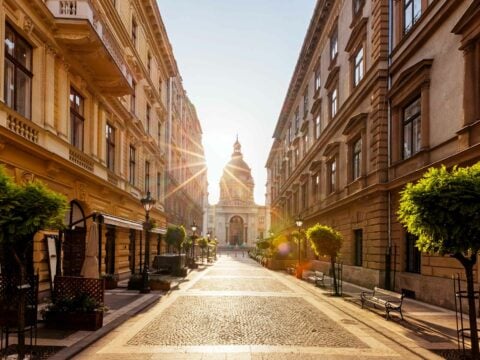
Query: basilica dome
x=236, y=184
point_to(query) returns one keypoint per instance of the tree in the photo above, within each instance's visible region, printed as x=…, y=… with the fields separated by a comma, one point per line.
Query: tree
x=25, y=210
x=443, y=210
x=175, y=237
x=326, y=241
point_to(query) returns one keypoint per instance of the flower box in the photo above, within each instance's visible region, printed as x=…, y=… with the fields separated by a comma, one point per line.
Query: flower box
x=74, y=321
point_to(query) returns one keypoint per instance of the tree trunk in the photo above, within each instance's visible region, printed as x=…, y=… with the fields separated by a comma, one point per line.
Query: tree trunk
x=472, y=313
x=334, y=274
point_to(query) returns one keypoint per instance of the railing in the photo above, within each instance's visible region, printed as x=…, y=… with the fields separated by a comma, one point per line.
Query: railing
x=81, y=159
x=22, y=128
x=68, y=7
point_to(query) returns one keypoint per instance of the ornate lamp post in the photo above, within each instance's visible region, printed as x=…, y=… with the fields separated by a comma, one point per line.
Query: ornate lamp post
x=147, y=203
x=194, y=229
x=299, y=223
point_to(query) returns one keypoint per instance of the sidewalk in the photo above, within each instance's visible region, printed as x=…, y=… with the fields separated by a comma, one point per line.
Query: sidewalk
x=425, y=326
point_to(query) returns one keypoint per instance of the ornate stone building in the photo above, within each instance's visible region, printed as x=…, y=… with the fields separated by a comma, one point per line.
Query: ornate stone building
x=87, y=107
x=236, y=219
x=382, y=90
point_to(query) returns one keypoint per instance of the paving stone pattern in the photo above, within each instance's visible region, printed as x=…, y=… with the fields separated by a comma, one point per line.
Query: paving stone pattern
x=240, y=284
x=234, y=271
x=239, y=320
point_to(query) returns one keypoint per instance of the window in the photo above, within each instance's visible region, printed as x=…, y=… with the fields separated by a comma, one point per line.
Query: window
x=147, y=112
x=134, y=32
x=305, y=103
x=159, y=133
x=304, y=196
x=413, y=255
x=318, y=81
x=132, y=165
x=411, y=129
x=149, y=63
x=147, y=176
x=357, y=159
x=316, y=186
x=160, y=84
x=357, y=6
x=334, y=44
x=133, y=97
x=110, y=134
x=159, y=185
x=318, y=126
x=358, y=67
x=358, y=238
x=18, y=75
x=76, y=119
x=297, y=120
x=333, y=102
x=305, y=144
x=411, y=13
x=332, y=176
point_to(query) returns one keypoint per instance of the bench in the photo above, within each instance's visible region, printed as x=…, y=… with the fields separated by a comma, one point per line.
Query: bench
x=389, y=300
x=317, y=278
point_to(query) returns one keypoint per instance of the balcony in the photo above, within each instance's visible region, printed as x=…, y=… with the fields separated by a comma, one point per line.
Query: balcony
x=80, y=30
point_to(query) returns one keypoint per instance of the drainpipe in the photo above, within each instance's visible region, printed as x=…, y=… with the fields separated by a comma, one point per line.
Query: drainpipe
x=388, y=255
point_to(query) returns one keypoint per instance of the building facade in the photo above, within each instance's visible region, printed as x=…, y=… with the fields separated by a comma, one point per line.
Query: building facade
x=236, y=220
x=186, y=169
x=86, y=103
x=382, y=90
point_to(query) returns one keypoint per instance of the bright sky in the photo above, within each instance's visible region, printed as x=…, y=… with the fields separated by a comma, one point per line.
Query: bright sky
x=236, y=58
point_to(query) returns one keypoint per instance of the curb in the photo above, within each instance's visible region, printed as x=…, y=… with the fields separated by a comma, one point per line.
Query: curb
x=81, y=345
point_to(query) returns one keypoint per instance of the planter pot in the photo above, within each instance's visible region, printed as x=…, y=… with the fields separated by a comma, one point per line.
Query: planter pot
x=111, y=284
x=135, y=282
x=74, y=321
x=180, y=272
x=159, y=285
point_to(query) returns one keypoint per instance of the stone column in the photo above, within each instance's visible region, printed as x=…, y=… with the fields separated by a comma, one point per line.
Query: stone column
x=63, y=99
x=50, y=88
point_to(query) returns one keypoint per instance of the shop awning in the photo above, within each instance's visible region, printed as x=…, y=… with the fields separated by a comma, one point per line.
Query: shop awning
x=121, y=222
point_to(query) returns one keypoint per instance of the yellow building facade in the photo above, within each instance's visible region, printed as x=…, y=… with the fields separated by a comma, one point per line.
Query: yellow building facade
x=85, y=109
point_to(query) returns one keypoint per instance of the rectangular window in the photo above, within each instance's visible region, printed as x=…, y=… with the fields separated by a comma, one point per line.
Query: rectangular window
x=305, y=103
x=305, y=144
x=134, y=32
x=159, y=133
x=132, y=165
x=133, y=98
x=76, y=119
x=318, y=82
x=358, y=67
x=297, y=121
x=147, y=176
x=333, y=103
x=317, y=186
x=413, y=255
x=147, y=112
x=411, y=13
x=332, y=176
x=358, y=237
x=18, y=75
x=357, y=159
x=149, y=63
x=334, y=44
x=110, y=135
x=159, y=185
x=412, y=128
x=318, y=126
x=304, y=196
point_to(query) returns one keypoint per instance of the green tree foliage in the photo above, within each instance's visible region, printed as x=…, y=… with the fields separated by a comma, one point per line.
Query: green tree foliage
x=326, y=241
x=175, y=237
x=25, y=210
x=202, y=243
x=443, y=210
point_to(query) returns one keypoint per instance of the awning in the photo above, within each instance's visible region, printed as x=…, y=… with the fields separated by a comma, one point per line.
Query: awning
x=158, y=230
x=121, y=222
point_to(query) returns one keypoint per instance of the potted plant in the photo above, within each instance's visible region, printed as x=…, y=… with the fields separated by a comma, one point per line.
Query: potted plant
x=81, y=312
x=158, y=282
x=111, y=281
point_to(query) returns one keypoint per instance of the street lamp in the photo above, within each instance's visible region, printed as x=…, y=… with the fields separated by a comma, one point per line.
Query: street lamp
x=147, y=203
x=194, y=229
x=299, y=223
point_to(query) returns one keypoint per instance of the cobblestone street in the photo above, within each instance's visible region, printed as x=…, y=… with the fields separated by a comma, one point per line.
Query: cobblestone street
x=235, y=309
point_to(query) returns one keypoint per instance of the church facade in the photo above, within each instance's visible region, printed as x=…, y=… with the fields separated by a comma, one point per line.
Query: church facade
x=236, y=220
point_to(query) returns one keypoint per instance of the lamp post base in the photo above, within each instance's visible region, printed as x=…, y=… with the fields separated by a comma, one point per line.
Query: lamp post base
x=145, y=283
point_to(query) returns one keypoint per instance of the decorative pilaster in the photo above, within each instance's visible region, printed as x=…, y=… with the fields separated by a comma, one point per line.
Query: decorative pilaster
x=63, y=96
x=50, y=88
